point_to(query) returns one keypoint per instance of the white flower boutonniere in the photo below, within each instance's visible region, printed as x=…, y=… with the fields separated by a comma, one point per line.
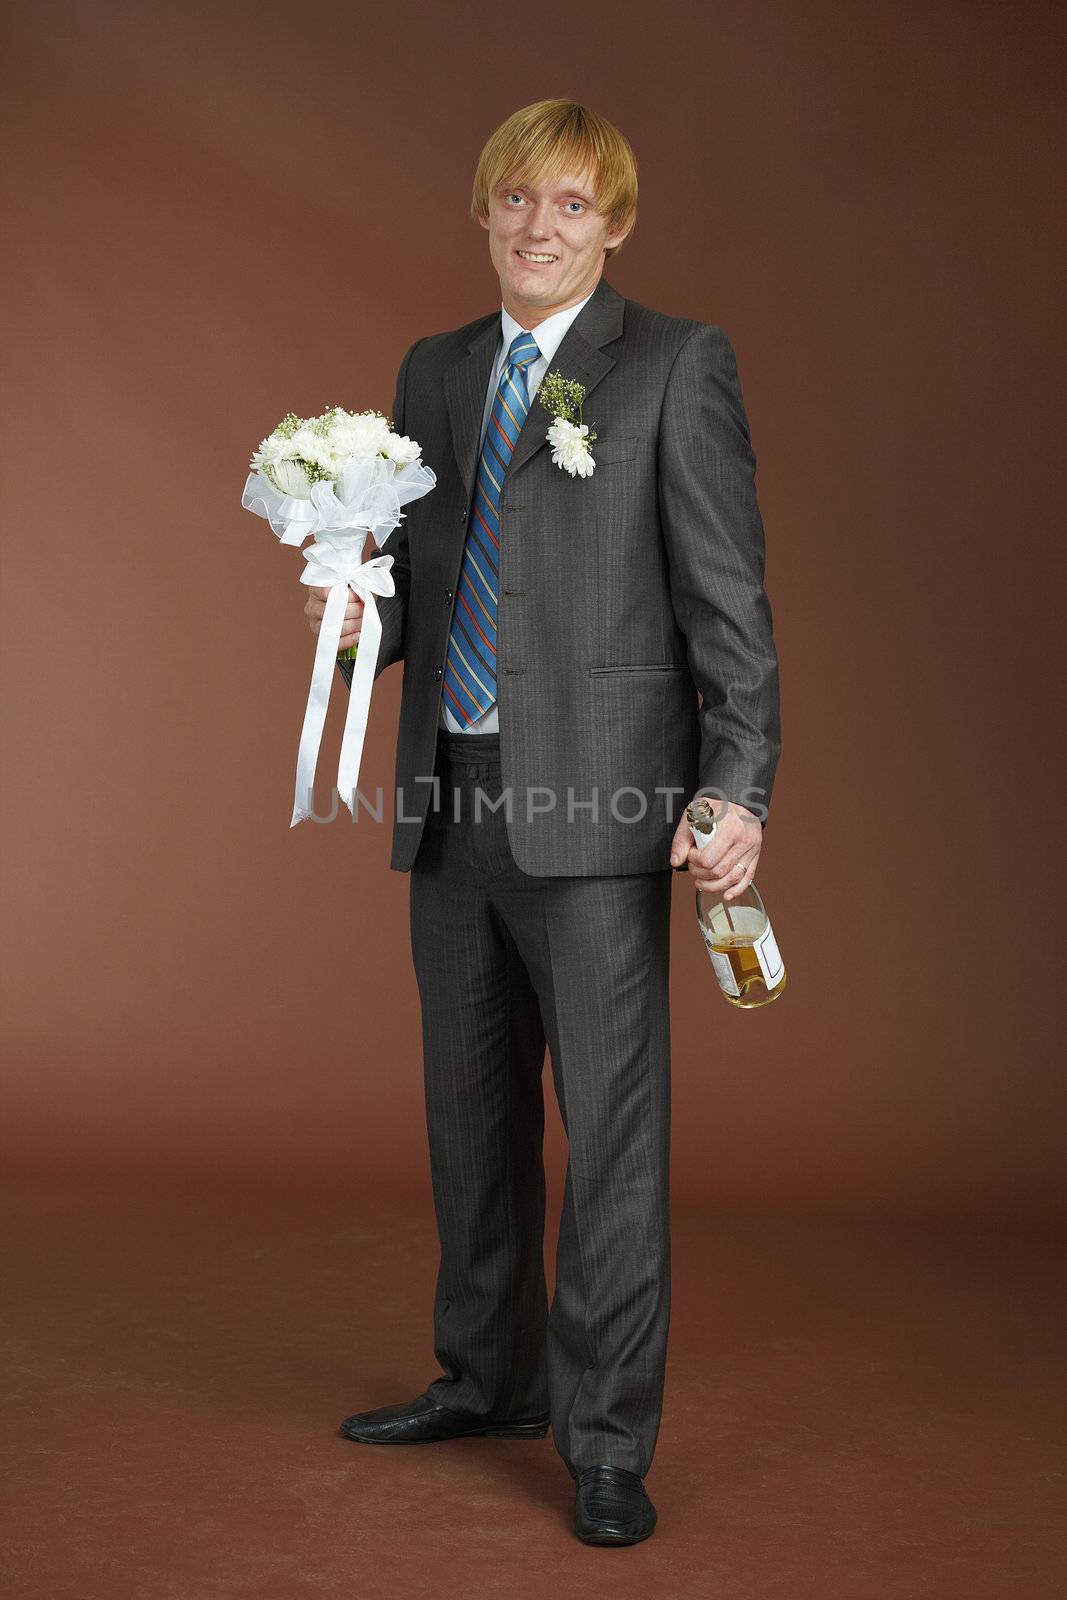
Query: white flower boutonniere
x=568, y=435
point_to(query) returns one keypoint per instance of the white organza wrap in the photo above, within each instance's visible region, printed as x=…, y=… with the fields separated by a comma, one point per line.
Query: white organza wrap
x=365, y=499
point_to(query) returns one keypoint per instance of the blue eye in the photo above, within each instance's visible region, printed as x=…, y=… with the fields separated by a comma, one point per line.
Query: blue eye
x=514, y=194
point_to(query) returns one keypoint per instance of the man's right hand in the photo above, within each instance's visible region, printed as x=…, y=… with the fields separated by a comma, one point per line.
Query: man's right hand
x=353, y=617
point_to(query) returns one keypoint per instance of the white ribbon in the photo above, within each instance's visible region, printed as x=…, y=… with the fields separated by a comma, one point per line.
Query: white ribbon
x=365, y=499
x=337, y=561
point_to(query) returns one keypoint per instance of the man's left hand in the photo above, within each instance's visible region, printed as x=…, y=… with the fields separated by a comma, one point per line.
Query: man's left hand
x=737, y=843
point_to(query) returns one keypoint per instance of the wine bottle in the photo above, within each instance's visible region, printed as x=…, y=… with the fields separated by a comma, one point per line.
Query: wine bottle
x=737, y=932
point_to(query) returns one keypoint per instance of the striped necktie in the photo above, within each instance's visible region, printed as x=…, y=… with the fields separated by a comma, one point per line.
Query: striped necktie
x=470, y=665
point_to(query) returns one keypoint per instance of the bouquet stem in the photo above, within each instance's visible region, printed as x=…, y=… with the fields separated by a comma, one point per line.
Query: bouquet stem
x=349, y=654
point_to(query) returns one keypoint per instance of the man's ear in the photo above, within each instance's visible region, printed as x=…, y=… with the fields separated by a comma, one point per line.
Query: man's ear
x=484, y=221
x=614, y=240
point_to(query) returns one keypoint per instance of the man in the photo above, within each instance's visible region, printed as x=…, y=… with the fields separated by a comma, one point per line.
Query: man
x=556, y=629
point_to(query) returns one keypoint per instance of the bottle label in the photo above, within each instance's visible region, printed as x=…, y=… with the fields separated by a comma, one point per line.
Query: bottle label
x=769, y=957
x=721, y=963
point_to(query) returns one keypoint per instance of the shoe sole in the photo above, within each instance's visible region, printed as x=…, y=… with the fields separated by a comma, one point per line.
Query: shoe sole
x=535, y=1430
x=614, y=1538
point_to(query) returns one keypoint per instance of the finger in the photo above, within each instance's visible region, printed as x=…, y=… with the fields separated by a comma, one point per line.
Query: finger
x=710, y=860
x=729, y=840
x=718, y=884
x=316, y=627
x=726, y=846
x=725, y=870
x=731, y=875
x=741, y=879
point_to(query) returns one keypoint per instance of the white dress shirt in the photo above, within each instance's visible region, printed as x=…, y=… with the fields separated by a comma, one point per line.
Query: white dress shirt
x=549, y=336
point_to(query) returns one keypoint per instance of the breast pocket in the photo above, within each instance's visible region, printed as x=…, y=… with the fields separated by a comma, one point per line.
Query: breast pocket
x=612, y=448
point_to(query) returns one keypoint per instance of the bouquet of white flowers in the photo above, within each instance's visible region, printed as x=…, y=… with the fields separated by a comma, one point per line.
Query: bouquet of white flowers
x=340, y=476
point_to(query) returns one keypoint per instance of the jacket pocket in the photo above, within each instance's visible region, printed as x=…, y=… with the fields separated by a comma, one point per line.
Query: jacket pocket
x=613, y=449
x=656, y=666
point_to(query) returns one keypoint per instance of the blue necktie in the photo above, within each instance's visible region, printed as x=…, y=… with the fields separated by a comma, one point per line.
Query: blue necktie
x=470, y=665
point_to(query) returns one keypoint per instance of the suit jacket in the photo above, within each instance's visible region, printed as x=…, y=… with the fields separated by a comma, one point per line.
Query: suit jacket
x=635, y=657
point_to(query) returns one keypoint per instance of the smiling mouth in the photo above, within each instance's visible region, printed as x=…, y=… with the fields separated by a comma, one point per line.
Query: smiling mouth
x=537, y=258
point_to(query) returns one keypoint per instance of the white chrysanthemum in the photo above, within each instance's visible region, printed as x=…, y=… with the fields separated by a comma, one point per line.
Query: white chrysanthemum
x=357, y=437
x=289, y=477
x=569, y=448
x=273, y=448
x=301, y=440
x=310, y=446
x=399, y=448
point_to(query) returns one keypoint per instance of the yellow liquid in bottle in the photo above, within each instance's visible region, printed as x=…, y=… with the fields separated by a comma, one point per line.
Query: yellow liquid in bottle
x=736, y=960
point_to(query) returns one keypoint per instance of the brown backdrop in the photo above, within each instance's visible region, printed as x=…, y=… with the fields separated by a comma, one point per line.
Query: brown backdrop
x=224, y=215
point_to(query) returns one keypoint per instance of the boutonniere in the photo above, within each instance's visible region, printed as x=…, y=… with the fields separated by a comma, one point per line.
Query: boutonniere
x=568, y=435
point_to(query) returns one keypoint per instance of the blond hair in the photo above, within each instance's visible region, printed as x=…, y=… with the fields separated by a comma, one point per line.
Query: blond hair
x=553, y=137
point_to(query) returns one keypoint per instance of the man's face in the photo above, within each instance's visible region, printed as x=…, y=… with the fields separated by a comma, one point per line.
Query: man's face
x=557, y=219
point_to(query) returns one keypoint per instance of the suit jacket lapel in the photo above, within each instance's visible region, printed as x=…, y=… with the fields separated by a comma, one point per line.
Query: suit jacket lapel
x=580, y=355
x=465, y=385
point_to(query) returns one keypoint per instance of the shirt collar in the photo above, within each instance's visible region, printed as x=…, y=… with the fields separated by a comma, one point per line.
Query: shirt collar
x=549, y=333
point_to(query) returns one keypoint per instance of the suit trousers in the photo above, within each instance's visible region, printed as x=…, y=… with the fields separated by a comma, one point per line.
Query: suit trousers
x=505, y=963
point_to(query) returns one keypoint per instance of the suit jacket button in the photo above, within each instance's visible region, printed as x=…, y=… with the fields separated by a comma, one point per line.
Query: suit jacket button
x=437, y=674
x=463, y=516
x=448, y=597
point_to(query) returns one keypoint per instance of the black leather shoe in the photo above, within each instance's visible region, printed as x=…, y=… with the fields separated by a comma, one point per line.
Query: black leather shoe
x=422, y=1421
x=612, y=1507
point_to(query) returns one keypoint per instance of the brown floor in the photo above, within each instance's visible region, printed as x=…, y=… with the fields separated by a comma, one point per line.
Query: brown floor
x=852, y=1410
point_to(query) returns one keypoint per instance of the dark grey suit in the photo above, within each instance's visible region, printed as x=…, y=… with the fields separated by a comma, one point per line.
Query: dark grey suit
x=623, y=597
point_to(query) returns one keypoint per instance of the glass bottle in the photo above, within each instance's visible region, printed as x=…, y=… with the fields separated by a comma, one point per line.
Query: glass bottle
x=737, y=932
